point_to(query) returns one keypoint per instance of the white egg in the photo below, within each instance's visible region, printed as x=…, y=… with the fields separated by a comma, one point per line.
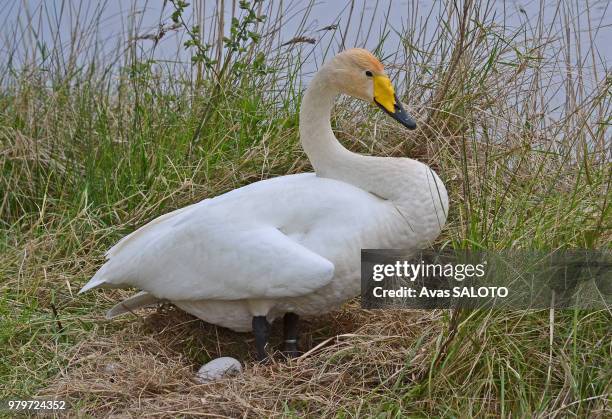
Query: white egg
x=217, y=369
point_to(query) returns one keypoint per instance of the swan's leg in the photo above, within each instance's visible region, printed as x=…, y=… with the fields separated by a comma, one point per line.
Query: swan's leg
x=261, y=330
x=290, y=323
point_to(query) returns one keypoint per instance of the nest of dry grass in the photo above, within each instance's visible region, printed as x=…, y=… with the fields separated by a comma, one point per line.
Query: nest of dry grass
x=146, y=369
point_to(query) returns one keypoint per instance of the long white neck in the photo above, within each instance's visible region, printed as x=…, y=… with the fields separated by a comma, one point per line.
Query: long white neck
x=316, y=135
x=378, y=175
x=414, y=189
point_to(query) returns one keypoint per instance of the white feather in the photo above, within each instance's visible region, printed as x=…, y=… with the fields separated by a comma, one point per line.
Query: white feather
x=136, y=301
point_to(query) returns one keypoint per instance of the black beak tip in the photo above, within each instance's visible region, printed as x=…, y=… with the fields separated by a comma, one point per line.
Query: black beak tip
x=410, y=124
x=400, y=115
x=403, y=118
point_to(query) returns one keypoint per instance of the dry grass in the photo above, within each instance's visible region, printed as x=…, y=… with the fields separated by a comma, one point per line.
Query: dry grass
x=362, y=363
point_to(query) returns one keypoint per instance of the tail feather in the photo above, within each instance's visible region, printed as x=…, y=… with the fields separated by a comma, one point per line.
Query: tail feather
x=104, y=278
x=96, y=282
x=142, y=299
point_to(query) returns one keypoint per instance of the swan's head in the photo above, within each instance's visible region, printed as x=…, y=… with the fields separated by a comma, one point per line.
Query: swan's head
x=356, y=72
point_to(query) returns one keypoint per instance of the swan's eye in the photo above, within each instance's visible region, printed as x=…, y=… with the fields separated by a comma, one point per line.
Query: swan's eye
x=369, y=73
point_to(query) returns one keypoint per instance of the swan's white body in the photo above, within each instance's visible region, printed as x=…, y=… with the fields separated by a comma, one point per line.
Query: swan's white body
x=288, y=244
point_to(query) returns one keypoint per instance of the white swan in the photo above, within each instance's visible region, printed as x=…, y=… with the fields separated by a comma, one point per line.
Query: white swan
x=289, y=245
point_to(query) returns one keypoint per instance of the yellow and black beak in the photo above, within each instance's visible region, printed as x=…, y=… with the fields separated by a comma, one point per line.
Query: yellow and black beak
x=386, y=99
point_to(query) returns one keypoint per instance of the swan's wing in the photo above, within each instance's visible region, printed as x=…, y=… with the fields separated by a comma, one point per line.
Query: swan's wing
x=205, y=261
x=145, y=229
x=234, y=247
